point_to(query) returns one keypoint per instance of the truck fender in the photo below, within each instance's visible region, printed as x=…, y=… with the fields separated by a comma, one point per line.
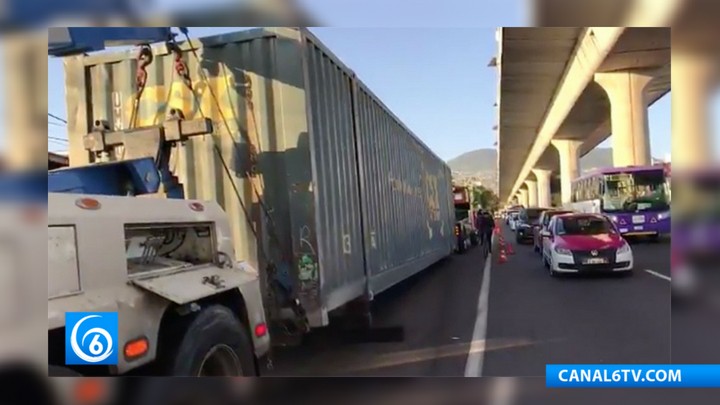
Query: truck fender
x=191, y=285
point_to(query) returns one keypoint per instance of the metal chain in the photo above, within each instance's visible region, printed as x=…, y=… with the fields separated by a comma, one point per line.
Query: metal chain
x=144, y=58
x=250, y=173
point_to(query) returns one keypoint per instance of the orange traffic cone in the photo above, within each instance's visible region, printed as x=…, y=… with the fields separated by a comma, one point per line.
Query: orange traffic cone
x=510, y=249
x=502, y=258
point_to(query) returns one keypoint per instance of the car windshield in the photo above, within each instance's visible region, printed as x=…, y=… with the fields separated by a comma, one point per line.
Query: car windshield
x=550, y=214
x=461, y=214
x=584, y=226
x=531, y=216
x=636, y=191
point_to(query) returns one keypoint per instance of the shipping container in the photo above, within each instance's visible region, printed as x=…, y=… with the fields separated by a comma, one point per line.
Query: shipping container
x=327, y=189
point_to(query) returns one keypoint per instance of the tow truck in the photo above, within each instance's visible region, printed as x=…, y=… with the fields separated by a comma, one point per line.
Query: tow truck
x=467, y=235
x=164, y=265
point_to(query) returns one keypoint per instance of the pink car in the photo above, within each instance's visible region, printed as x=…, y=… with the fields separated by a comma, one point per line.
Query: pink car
x=584, y=243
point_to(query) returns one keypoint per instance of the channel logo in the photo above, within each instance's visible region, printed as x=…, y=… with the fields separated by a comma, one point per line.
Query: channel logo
x=91, y=338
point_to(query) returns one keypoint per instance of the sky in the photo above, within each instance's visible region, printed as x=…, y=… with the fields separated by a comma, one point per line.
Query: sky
x=435, y=79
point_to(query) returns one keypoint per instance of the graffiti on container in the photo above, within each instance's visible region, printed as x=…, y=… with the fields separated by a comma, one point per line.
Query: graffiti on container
x=158, y=100
x=305, y=245
x=432, y=199
x=404, y=187
x=308, y=268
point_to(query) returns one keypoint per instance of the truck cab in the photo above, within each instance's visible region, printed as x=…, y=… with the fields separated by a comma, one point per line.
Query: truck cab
x=465, y=231
x=166, y=267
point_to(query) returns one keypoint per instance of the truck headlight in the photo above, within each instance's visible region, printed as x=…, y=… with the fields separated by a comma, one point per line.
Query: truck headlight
x=663, y=215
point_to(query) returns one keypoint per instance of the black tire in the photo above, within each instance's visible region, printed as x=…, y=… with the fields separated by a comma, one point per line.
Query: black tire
x=214, y=332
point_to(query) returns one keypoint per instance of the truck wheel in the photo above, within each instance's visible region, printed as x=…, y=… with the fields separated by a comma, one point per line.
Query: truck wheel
x=214, y=343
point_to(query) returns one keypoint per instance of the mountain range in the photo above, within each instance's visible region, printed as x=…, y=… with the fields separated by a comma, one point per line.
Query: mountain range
x=481, y=164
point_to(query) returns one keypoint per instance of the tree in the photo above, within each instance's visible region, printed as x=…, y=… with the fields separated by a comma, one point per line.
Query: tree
x=485, y=198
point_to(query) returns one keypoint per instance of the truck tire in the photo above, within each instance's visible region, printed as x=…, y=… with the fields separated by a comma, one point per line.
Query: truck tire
x=213, y=343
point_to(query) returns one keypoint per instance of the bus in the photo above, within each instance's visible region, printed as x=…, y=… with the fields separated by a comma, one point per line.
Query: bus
x=636, y=198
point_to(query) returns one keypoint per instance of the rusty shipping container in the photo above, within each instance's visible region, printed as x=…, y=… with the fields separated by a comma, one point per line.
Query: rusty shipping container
x=342, y=198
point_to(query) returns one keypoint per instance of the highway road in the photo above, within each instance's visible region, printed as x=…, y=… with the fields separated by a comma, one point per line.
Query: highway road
x=521, y=320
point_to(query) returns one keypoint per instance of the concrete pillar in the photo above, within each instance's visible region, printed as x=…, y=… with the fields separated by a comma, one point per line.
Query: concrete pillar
x=628, y=115
x=523, y=197
x=543, y=187
x=568, y=150
x=532, y=193
x=694, y=76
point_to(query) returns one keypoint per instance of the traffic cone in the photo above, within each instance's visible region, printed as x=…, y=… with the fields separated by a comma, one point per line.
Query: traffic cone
x=510, y=249
x=502, y=258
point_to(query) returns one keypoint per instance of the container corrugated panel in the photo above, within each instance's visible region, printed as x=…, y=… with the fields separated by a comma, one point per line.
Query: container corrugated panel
x=334, y=157
x=314, y=209
x=406, y=194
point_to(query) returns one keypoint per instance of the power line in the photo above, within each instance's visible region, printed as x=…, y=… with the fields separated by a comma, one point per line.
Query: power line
x=56, y=139
x=55, y=124
x=57, y=118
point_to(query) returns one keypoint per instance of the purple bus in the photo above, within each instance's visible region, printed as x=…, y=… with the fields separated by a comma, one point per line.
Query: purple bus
x=636, y=198
x=695, y=250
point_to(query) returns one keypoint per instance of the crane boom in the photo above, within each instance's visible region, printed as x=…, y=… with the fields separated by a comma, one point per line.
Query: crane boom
x=78, y=40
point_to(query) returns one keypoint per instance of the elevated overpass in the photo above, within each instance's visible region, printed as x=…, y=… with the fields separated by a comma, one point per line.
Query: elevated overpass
x=531, y=146
x=563, y=91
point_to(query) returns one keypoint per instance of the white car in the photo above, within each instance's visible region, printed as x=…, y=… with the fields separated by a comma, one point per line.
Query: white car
x=513, y=220
x=584, y=243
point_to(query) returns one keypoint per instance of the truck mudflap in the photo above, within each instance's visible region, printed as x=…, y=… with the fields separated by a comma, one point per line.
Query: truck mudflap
x=186, y=286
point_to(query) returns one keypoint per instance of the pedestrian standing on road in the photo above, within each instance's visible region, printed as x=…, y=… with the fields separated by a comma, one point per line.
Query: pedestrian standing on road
x=489, y=225
x=478, y=224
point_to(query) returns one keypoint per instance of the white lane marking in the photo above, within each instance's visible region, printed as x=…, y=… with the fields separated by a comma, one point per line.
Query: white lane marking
x=656, y=274
x=476, y=353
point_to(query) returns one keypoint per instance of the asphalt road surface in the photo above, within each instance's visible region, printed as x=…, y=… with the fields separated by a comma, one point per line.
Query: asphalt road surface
x=571, y=319
x=522, y=320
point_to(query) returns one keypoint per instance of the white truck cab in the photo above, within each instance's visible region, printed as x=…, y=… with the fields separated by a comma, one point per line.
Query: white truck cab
x=166, y=268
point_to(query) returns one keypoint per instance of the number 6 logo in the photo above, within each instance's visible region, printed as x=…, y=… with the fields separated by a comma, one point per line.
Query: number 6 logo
x=97, y=343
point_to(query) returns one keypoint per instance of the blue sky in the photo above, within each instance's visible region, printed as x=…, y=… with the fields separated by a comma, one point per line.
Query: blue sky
x=435, y=79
